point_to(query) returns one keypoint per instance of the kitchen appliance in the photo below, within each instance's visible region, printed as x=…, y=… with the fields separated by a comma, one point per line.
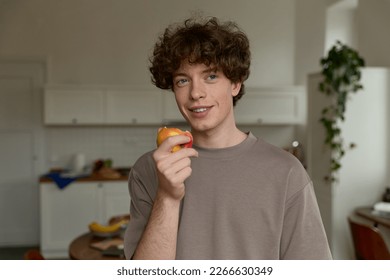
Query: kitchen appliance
x=78, y=163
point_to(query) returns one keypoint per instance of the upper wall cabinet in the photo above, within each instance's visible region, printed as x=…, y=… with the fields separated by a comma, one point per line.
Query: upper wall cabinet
x=272, y=106
x=115, y=105
x=73, y=106
x=133, y=107
x=87, y=105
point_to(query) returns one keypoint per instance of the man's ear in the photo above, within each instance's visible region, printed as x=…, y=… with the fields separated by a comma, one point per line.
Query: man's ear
x=236, y=88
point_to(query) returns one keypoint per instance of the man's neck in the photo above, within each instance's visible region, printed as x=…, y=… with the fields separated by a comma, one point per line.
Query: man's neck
x=218, y=140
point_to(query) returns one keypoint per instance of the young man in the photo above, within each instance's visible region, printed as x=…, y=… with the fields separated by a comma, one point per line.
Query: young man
x=231, y=196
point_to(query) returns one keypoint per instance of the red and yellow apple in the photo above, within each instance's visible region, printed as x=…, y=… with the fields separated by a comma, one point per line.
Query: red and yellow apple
x=165, y=132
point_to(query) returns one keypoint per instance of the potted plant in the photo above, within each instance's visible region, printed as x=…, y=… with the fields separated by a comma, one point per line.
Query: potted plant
x=341, y=71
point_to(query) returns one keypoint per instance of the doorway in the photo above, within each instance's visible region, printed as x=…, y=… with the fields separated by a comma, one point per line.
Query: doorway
x=21, y=149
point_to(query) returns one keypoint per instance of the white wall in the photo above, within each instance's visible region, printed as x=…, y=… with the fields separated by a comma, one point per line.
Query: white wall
x=362, y=178
x=108, y=42
x=310, y=29
x=309, y=46
x=341, y=25
x=364, y=171
x=374, y=38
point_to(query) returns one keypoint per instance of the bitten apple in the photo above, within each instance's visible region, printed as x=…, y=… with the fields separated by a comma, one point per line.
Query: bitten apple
x=165, y=132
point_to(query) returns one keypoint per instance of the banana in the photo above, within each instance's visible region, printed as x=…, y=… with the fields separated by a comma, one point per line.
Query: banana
x=96, y=227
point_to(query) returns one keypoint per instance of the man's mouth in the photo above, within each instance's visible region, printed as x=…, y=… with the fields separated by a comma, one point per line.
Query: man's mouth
x=198, y=110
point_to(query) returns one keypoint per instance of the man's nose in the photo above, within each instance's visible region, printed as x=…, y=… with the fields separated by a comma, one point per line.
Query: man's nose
x=197, y=91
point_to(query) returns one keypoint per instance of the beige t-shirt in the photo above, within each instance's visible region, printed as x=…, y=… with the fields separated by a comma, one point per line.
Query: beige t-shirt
x=249, y=201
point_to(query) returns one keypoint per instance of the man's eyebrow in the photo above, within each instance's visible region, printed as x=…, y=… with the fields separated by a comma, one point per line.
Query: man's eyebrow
x=205, y=71
x=179, y=74
x=209, y=70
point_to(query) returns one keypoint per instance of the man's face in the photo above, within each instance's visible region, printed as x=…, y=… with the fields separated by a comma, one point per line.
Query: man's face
x=205, y=96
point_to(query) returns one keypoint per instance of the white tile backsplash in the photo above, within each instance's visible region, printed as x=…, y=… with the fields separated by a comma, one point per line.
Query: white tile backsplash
x=124, y=145
x=121, y=144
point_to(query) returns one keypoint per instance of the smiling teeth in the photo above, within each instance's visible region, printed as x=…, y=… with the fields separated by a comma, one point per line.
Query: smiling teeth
x=199, y=110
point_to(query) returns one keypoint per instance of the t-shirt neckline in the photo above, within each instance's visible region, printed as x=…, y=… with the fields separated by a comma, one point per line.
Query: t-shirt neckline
x=228, y=152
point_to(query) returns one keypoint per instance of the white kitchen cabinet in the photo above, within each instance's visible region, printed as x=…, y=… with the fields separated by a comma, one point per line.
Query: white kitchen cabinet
x=101, y=105
x=364, y=172
x=115, y=200
x=67, y=105
x=271, y=106
x=133, y=107
x=66, y=214
x=259, y=106
x=119, y=105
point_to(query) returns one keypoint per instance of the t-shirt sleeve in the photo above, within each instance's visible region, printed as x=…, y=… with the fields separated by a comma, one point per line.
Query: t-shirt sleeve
x=303, y=236
x=142, y=185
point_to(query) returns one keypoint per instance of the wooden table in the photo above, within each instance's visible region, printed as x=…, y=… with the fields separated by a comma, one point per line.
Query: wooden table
x=367, y=212
x=80, y=249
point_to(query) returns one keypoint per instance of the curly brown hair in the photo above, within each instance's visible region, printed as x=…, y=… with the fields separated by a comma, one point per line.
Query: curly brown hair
x=208, y=42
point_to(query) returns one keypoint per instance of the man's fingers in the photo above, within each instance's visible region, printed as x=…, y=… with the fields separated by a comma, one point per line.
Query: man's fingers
x=172, y=141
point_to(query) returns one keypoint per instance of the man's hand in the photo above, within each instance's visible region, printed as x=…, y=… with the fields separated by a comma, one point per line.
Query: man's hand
x=159, y=238
x=173, y=168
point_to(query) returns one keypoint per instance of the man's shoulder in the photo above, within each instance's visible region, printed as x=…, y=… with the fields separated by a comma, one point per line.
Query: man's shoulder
x=142, y=177
x=144, y=162
x=146, y=157
x=272, y=151
x=279, y=159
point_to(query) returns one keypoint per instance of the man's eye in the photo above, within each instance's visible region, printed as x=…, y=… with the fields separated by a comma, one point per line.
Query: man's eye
x=181, y=82
x=212, y=76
